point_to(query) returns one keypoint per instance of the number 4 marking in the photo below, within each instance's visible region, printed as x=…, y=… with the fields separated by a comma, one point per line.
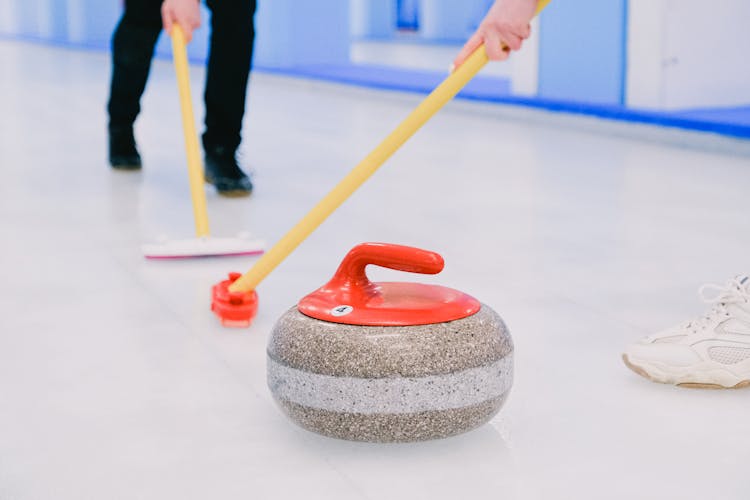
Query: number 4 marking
x=342, y=310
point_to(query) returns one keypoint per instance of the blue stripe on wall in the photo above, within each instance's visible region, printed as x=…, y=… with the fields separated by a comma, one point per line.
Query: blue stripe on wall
x=582, y=51
x=624, y=54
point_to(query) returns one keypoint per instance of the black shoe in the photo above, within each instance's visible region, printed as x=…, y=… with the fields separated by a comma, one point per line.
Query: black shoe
x=223, y=172
x=123, y=154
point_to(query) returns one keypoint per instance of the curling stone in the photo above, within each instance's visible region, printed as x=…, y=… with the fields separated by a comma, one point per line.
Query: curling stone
x=389, y=362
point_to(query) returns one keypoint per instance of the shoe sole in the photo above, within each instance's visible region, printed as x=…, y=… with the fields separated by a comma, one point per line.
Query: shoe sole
x=236, y=193
x=690, y=385
x=126, y=167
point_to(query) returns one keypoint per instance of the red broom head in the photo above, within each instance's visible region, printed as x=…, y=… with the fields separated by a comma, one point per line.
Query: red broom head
x=234, y=309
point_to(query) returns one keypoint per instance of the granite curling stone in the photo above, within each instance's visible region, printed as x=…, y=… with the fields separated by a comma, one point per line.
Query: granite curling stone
x=389, y=362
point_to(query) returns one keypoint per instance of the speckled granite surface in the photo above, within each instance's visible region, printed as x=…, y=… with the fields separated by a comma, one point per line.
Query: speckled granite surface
x=389, y=428
x=381, y=351
x=411, y=383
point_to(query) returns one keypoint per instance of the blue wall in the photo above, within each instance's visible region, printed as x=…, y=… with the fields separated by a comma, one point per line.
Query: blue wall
x=582, y=51
x=582, y=42
x=407, y=14
x=294, y=32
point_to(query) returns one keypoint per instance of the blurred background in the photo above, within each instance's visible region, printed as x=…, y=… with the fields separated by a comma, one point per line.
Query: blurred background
x=546, y=188
x=676, y=63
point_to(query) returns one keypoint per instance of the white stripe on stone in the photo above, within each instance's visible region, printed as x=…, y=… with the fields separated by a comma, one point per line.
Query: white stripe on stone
x=392, y=394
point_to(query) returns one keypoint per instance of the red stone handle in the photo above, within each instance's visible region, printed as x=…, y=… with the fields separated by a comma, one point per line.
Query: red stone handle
x=351, y=272
x=351, y=298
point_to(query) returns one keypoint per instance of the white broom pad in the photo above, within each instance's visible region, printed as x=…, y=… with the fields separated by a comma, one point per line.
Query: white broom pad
x=202, y=247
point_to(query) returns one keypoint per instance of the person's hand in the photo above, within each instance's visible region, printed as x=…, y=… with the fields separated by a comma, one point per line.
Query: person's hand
x=503, y=29
x=185, y=13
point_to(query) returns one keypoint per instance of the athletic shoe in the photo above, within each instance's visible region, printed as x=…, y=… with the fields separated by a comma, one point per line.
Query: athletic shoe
x=123, y=155
x=712, y=351
x=225, y=174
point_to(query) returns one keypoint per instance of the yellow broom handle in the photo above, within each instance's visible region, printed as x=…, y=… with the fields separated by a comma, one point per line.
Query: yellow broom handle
x=428, y=107
x=195, y=168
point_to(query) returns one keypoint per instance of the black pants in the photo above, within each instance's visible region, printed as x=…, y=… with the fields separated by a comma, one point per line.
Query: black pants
x=229, y=60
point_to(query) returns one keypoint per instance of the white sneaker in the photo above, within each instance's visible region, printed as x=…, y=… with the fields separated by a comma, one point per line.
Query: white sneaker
x=712, y=351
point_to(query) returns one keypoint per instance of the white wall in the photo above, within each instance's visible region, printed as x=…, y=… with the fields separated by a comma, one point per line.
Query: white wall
x=76, y=16
x=370, y=18
x=524, y=65
x=8, y=23
x=688, y=54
